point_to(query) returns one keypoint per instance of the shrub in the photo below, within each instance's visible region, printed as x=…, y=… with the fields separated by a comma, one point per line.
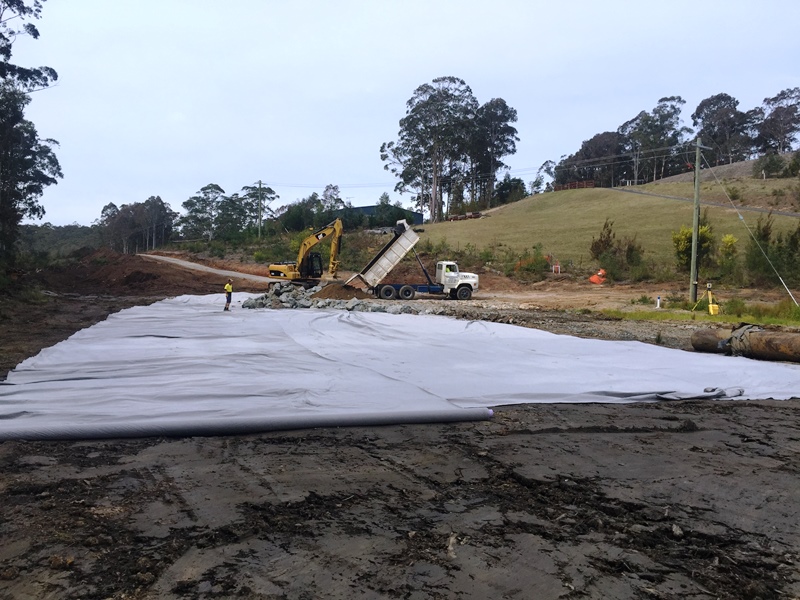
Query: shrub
x=618, y=257
x=611, y=263
x=787, y=309
x=217, y=249
x=196, y=247
x=531, y=266
x=486, y=255
x=762, y=252
x=734, y=193
x=604, y=243
x=734, y=306
x=676, y=301
x=792, y=167
x=768, y=165
x=729, y=269
x=640, y=272
x=682, y=242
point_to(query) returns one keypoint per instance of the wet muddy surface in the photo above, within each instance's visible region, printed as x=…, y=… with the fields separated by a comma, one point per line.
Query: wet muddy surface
x=684, y=500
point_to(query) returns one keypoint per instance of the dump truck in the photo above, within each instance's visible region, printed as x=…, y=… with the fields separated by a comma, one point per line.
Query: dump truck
x=448, y=280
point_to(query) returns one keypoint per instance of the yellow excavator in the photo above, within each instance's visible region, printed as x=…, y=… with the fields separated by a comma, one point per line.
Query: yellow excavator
x=308, y=267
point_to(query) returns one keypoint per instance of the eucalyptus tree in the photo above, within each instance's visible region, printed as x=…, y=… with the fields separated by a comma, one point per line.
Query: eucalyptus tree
x=300, y=214
x=634, y=145
x=601, y=159
x=106, y=222
x=27, y=166
x=159, y=221
x=510, y=189
x=492, y=138
x=778, y=121
x=724, y=128
x=434, y=132
x=27, y=163
x=201, y=212
x=387, y=214
x=257, y=198
x=138, y=226
x=232, y=217
x=15, y=17
x=656, y=136
x=331, y=204
x=122, y=226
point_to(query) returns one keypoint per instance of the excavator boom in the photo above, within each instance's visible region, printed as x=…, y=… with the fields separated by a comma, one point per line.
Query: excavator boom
x=309, y=265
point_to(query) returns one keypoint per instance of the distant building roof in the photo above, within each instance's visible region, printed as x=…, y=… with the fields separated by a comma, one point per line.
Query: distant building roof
x=418, y=217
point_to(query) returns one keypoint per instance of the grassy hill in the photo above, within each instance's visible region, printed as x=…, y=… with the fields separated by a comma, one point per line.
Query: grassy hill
x=564, y=223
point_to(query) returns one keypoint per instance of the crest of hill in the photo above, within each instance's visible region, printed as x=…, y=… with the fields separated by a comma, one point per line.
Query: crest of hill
x=738, y=170
x=563, y=224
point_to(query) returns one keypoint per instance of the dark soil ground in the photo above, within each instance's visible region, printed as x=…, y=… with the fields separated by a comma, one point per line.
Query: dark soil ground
x=671, y=500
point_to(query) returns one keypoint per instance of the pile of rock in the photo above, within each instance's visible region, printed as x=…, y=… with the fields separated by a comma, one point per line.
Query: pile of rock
x=287, y=295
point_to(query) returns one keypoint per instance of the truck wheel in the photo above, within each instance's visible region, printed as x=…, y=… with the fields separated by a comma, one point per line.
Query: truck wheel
x=464, y=292
x=388, y=292
x=452, y=294
x=406, y=292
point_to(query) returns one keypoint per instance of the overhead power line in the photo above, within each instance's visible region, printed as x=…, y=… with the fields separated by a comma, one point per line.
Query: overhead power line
x=750, y=232
x=645, y=154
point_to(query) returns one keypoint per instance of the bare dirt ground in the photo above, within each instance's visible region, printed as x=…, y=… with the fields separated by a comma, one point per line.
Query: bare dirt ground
x=672, y=500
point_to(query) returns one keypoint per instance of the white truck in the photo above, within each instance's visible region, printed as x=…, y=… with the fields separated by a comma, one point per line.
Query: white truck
x=448, y=281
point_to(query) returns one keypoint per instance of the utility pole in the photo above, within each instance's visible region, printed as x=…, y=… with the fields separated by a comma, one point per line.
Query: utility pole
x=259, y=209
x=695, y=224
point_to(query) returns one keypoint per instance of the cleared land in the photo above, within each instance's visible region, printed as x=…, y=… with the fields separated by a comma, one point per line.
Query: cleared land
x=672, y=500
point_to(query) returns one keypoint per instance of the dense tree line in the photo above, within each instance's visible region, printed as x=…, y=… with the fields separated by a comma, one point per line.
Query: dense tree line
x=449, y=144
x=28, y=164
x=657, y=144
x=137, y=227
x=42, y=243
x=211, y=214
x=316, y=211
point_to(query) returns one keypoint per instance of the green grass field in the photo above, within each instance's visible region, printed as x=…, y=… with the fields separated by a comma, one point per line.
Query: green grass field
x=564, y=223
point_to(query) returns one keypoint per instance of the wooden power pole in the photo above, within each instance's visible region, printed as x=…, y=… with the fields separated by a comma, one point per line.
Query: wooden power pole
x=259, y=209
x=695, y=224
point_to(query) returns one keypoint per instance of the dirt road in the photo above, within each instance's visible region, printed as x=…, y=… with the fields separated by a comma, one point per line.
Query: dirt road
x=671, y=500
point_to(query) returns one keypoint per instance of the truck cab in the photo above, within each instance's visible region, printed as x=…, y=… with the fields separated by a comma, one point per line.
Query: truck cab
x=456, y=284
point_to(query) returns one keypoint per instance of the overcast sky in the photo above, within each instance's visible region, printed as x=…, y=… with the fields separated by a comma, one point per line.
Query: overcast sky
x=161, y=97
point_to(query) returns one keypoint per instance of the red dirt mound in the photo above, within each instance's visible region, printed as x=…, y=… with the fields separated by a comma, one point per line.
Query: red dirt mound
x=339, y=291
x=105, y=271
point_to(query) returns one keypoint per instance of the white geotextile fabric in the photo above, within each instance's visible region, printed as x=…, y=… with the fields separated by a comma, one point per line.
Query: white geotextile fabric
x=183, y=366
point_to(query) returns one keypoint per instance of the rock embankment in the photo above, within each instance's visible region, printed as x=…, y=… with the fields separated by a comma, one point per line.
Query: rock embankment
x=331, y=296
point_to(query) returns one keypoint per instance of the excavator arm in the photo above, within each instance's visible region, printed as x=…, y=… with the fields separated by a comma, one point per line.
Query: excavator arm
x=333, y=229
x=333, y=265
x=308, y=265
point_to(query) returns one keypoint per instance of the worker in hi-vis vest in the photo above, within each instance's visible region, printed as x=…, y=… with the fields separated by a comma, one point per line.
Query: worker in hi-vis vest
x=228, y=293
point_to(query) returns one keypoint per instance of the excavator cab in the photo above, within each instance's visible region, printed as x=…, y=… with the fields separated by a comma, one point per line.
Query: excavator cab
x=311, y=267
